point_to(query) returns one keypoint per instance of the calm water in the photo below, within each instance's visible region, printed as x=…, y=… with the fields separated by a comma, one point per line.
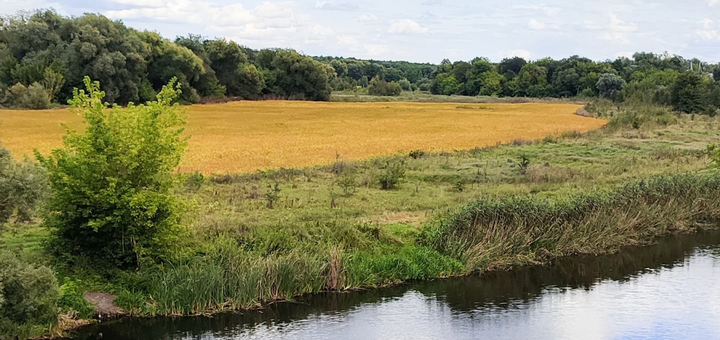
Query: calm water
x=667, y=291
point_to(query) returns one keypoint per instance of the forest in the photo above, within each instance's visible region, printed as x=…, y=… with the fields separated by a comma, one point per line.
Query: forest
x=44, y=55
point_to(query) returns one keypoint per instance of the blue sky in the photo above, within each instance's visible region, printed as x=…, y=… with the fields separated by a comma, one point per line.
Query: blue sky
x=427, y=30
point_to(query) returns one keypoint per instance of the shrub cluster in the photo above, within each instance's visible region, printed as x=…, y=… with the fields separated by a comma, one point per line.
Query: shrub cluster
x=28, y=298
x=380, y=87
x=22, y=186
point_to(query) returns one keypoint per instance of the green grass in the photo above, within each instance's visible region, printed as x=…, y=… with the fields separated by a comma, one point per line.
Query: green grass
x=334, y=228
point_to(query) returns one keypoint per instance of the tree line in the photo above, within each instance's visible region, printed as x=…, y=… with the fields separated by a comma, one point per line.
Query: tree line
x=43, y=56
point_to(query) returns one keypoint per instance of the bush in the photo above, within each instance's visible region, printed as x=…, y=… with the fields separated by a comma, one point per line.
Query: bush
x=111, y=199
x=34, y=97
x=394, y=173
x=22, y=186
x=715, y=154
x=379, y=87
x=689, y=94
x=28, y=298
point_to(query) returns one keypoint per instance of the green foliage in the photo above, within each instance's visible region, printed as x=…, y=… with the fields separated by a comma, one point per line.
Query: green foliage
x=22, y=186
x=689, y=94
x=379, y=87
x=21, y=97
x=72, y=301
x=609, y=85
x=392, y=175
x=28, y=298
x=111, y=200
x=714, y=150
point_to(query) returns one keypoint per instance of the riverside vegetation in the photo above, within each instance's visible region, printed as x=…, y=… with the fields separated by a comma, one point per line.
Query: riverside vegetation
x=248, y=239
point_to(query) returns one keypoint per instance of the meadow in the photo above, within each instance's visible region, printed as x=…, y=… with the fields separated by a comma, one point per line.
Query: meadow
x=413, y=213
x=241, y=137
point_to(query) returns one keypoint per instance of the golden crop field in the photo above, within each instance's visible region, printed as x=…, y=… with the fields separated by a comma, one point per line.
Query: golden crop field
x=246, y=136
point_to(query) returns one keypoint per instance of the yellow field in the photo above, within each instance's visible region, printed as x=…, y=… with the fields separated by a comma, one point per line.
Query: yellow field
x=246, y=136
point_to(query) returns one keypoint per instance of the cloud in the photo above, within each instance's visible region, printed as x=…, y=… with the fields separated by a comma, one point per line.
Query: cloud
x=618, y=31
x=367, y=18
x=708, y=31
x=535, y=25
x=712, y=3
x=336, y=6
x=367, y=50
x=549, y=11
x=143, y=3
x=525, y=54
x=406, y=26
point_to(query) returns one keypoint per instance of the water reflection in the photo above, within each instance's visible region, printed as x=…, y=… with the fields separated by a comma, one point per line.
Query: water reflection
x=669, y=290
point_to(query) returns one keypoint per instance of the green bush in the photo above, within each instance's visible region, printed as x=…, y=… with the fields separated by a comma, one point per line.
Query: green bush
x=72, y=300
x=28, y=298
x=393, y=174
x=34, y=97
x=22, y=185
x=379, y=87
x=111, y=200
x=715, y=154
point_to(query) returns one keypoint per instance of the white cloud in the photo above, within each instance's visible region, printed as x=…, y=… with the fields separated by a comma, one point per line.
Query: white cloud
x=143, y=3
x=535, y=25
x=367, y=18
x=618, y=31
x=712, y=3
x=708, y=30
x=336, y=6
x=549, y=11
x=525, y=54
x=406, y=26
x=353, y=45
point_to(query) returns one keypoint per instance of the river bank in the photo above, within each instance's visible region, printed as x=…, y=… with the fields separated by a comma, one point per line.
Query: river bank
x=550, y=301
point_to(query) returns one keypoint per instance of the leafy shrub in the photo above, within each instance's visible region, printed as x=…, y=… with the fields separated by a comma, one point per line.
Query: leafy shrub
x=416, y=154
x=33, y=97
x=379, y=87
x=393, y=174
x=72, y=300
x=28, y=298
x=22, y=185
x=714, y=150
x=111, y=184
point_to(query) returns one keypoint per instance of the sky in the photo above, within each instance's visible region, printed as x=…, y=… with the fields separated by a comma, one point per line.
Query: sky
x=426, y=30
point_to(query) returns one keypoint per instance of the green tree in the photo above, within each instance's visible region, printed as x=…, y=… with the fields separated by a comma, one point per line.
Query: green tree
x=111, y=199
x=689, y=94
x=491, y=83
x=609, y=85
x=380, y=87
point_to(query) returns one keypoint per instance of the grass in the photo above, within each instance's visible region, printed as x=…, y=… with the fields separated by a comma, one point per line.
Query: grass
x=244, y=136
x=333, y=227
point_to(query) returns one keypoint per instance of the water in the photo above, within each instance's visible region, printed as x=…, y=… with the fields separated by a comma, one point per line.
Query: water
x=667, y=291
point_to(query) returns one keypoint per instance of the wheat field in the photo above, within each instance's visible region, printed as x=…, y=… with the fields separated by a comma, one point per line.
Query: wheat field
x=245, y=136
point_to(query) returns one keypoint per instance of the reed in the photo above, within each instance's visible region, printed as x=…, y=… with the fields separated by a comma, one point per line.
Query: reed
x=497, y=233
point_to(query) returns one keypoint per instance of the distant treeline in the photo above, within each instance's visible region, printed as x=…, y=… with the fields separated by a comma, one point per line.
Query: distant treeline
x=43, y=56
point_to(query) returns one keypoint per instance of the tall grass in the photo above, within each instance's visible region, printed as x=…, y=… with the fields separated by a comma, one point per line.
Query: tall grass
x=230, y=278
x=497, y=233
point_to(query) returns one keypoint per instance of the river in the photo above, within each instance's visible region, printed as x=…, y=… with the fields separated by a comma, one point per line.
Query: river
x=670, y=290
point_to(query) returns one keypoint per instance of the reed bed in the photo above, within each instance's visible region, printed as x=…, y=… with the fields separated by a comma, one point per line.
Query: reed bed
x=497, y=233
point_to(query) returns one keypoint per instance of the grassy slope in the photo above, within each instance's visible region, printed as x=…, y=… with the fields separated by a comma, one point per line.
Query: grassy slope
x=317, y=237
